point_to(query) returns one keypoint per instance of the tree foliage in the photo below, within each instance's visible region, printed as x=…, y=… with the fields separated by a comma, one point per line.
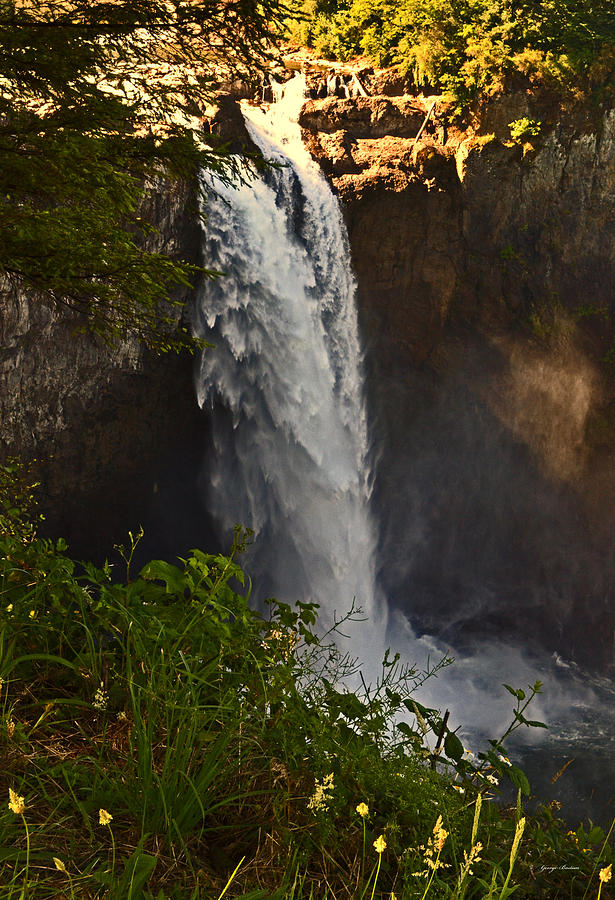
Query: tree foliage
x=97, y=97
x=470, y=46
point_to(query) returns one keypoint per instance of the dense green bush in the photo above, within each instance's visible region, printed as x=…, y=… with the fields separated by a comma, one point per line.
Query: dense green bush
x=470, y=46
x=159, y=739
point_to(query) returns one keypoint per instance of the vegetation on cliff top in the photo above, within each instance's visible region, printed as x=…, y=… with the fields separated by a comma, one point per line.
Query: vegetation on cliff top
x=467, y=47
x=96, y=97
x=159, y=739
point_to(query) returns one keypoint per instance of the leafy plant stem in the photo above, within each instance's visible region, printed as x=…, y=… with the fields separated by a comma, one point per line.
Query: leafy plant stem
x=433, y=872
x=376, y=878
x=228, y=883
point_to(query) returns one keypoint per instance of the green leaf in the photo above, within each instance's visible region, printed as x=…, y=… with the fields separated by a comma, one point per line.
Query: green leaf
x=436, y=724
x=393, y=696
x=595, y=835
x=425, y=711
x=139, y=869
x=159, y=570
x=404, y=728
x=453, y=747
x=518, y=778
x=40, y=657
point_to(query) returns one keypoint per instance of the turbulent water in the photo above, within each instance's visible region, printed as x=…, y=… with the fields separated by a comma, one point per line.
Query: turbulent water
x=285, y=379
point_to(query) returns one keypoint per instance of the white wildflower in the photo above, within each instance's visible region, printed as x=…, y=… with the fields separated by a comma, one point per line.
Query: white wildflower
x=101, y=698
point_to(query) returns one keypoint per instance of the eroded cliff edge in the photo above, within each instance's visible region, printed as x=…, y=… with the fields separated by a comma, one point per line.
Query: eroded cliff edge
x=485, y=272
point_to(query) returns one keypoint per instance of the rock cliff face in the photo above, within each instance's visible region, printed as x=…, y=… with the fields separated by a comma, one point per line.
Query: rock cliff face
x=485, y=274
x=113, y=428
x=477, y=227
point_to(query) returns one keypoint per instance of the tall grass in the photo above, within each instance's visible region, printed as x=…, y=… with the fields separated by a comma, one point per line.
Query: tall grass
x=161, y=740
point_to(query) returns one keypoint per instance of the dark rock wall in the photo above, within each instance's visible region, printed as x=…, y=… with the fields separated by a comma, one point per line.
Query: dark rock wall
x=486, y=273
x=116, y=431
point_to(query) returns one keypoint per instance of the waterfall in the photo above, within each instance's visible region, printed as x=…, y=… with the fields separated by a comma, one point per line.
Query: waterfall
x=285, y=380
x=284, y=385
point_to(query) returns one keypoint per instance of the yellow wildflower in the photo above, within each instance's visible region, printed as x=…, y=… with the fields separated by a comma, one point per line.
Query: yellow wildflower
x=104, y=818
x=605, y=874
x=32, y=613
x=9, y=608
x=17, y=804
x=363, y=810
x=320, y=798
x=440, y=834
x=380, y=844
x=59, y=865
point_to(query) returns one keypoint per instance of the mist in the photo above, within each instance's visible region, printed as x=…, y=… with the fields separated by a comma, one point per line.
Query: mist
x=494, y=516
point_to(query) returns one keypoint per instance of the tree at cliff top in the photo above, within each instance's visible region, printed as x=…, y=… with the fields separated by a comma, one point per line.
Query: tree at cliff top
x=97, y=96
x=470, y=46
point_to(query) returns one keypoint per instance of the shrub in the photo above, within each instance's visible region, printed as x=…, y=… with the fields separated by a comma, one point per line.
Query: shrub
x=162, y=740
x=524, y=129
x=468, y=47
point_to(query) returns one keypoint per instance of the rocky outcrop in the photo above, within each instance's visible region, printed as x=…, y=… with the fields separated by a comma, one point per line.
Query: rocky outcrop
x=500, y=229
x=485, y=270
x=372, y=117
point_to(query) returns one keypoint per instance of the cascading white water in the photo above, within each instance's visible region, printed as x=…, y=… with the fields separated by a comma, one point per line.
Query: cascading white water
x=291, y=451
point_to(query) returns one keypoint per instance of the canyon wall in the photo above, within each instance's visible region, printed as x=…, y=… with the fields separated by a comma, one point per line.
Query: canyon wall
x=114, y=430
x=485, y=271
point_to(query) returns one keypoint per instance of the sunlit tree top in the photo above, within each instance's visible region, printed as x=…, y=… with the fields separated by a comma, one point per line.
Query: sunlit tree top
x=95, y=97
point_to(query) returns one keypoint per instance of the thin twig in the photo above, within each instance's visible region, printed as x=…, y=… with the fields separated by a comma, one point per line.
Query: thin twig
x=440, y=740
x=425, y=121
